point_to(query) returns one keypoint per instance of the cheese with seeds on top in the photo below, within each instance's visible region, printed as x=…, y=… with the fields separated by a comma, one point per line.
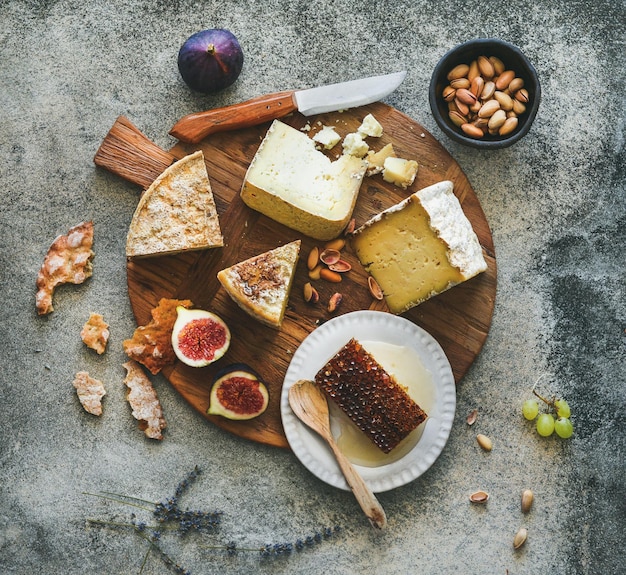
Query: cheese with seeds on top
x=295, y=184
x=420, y=247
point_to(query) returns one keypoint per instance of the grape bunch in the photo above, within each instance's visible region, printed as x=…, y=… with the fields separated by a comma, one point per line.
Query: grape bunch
x=555, y=420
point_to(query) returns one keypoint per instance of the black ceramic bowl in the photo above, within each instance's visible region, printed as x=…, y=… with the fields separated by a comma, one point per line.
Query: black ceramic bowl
x=513, y=59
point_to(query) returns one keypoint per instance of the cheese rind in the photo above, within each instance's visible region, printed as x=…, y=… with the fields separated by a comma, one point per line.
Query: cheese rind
x=295, y=184
x=420, y=247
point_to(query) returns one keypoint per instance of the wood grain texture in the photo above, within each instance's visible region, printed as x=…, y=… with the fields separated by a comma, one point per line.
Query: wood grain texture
x=458, y=319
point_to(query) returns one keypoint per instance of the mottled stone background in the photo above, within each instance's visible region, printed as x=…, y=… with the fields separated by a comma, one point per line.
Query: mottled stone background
x=556, y=204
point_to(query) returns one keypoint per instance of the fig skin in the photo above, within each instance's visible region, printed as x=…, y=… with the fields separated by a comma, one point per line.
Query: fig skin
x=201, y=351
x=210, y=60
x=238, y=382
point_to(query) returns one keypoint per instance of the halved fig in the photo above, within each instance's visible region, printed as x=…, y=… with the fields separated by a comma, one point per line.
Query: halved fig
x=238, y=393
x=199, y=337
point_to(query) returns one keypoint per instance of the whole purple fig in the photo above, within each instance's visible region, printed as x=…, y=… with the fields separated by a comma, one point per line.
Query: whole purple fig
x=210, y=60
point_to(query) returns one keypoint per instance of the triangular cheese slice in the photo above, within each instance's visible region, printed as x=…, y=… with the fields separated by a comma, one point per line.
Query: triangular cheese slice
x=176, y=213
x=261, y=285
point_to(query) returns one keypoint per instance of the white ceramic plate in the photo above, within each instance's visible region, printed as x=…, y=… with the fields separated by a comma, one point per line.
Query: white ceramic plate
x=319, y=346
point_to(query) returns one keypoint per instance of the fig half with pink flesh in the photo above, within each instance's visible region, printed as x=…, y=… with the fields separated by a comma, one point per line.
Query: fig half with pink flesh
x=199, y=337
x=238, y=393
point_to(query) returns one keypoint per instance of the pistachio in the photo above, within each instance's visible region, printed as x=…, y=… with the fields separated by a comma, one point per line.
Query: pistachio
x=472, y=417
x=473, y=71
x=375, y=290
x=488, y=109
x=488, y=90
x=497, y=119
x=509, y=125
x=465, y=96
x=516, y=84
x=520, y=538
x=449, y=93
x=340, y=266
x=504, y=79
x=477, y=85
x=479, y=497
x=498, y=65
x=484, y=442
x=522, y=96
x=334, y=302
x=458, y=71
x=336, y=244
x=330, y=256
x=481, y=123
x=486, y=67
x=314, y=274
x=350, y=227
x=314, y=258
x=461, y=107
x=518, y=107
x=527, y=500
x=457, y=118
x=460, y=83
x=505, y=101
x=310, y=293
x=472, y=131
x=330, y=276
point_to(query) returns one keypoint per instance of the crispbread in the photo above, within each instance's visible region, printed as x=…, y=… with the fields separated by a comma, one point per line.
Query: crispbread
x=90, y=392
x=144, y=401
x=177, y=213
x=261, y=284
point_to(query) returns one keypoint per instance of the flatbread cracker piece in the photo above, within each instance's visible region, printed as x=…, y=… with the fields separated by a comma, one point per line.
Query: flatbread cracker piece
x=68, y=261
x=144, y=401
x=177, y=213
x=95, y=333
x=151, y=344
x=90, y=392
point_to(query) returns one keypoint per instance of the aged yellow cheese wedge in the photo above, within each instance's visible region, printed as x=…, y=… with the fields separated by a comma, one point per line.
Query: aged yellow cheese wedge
x=420, y=247
x=261, y=284
x=295, y=184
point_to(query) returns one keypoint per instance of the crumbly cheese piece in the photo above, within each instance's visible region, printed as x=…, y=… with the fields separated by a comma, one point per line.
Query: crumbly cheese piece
x=399, y=171
x=261, y=285
x=144, y=401
x=90, y=392
x=151, y=344
x=420, y=247
x=376, y=160
x=354, y=145
x=95, y=333
x=370, y=127
x=327, y=137
x=295, y=184
x=68, y=261
x=177, y=213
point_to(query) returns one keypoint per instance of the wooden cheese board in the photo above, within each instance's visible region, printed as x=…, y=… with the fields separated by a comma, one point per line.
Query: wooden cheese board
x=458, y=319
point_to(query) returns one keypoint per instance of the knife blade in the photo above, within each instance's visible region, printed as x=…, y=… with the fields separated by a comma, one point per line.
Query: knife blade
x=332, y=97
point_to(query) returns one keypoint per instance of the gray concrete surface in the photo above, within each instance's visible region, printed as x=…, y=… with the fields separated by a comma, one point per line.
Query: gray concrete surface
x=556, y=204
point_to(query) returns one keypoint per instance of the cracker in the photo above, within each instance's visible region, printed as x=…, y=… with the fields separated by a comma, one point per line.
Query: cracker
x=68, y=261
x=151, y=344
x=90, y=392
x=95, y=333
x=144, y=401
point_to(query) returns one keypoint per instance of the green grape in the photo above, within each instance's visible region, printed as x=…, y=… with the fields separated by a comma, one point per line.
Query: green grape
x=530, y=409
x=563, y=427
x=562, y=408
x=545, y=424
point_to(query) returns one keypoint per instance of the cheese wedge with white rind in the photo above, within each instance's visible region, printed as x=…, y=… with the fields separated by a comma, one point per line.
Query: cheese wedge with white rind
x=177, y=213
x=420, y=247
x=295, y=184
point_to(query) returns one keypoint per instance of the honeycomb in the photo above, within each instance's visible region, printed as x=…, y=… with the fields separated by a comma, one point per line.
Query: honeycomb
x=369, y=396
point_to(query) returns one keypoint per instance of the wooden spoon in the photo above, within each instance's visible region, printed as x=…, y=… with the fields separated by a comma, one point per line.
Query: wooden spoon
x=309, y=403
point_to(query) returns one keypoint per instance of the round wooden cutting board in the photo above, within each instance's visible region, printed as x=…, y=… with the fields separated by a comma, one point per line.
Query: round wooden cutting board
x=458, y=319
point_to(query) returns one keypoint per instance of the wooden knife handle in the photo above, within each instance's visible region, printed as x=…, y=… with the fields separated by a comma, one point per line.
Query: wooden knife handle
x=195, y=127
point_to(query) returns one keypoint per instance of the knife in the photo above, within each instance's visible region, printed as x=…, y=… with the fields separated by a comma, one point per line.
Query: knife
x=330, y=98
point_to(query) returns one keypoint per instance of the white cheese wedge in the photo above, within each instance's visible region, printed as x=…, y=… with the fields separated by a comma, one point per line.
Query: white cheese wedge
x=420, y=247
x=295, y=184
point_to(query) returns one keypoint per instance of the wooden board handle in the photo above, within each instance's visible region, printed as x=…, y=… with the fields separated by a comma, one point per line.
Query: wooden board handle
x=127, y=152
x=193, y=128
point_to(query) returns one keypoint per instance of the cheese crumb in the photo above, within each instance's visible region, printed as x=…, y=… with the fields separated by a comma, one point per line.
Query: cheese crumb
x=370, y=127
x=354, y=145
x=399, y=171
x=327, y=137
x=376, y=160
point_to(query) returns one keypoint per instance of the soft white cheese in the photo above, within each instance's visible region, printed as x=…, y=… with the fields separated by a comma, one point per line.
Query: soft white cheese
x=354, y=145
x=370, y=127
